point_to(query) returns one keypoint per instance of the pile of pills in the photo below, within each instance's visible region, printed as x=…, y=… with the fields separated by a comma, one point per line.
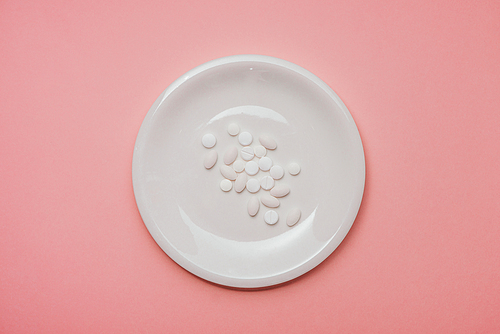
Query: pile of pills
x=241, y=166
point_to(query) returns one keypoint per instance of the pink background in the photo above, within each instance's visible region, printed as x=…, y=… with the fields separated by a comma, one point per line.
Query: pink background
x=422, y=81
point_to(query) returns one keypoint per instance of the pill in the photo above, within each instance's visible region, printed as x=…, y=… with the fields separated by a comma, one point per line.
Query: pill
x=253, y=185
x=276, y=172
x=293, y=217
x=271, y=217
x=240, y=183
x=233, y=129
x=251, y=168
x=270, y=201
x=267, y=142
x=253, y=206
x=260, y=151
x=247, y=153
x=228, y=172
x=226, y=185
x=208, y=140
x=267, y=182
x=230, y=155
x=239, y=166
x=210, y=159
x=294, y=168
x=245, y=138
x=280, y=190
x=265, y=163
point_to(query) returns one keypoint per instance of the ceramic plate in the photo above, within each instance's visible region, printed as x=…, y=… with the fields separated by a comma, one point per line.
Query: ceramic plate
x=208, y=231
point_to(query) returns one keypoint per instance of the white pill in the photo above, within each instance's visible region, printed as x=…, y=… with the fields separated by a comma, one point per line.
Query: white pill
x=226, y=185
x=293, y=217
x=270, y=201
x=294, y=168
x=239, y=166
x=247, y=153
x=251, y=168
x=267, y=142
x=267, y=182
x=230, y=155
x=280, y=190
x=260, y=151
x=240, y=183
x=245, y=138
x=271, y=217
x=265, y=163
x=233, y=129
x=253, y=185
x=210, y=159
x=228, y=172
x=253, y=206
x=276, y=172
x=208, y=140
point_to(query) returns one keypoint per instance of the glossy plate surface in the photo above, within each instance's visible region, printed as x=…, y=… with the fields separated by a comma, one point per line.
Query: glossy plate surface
x=208, y=231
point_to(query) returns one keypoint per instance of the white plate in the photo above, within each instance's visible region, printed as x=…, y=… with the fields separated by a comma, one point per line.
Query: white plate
x=208, y=231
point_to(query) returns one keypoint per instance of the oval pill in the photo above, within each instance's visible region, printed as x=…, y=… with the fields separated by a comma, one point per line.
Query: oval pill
x=228, y=172
x=276, y=172
x=245, y=138
x=265, y=163
x=208, y=140
x=247, y=153
x=293, y=217
x=253, y=206
x=260, y=151
x=210, y=159
x=280, y=190
x=239, y=166
x=267, y=182
x=230, y=155
x=253, y=185
x=233, y=129
x=251, y=168
x=271, y=217
x=267, y=142
x=240, y=183
x=226, y=185
x=294, y=168
x=270, y=201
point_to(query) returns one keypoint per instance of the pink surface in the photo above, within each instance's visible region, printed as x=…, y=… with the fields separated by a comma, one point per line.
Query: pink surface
x=422, y=81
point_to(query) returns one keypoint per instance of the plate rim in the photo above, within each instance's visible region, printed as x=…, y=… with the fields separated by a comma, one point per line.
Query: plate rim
x=237, y=282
